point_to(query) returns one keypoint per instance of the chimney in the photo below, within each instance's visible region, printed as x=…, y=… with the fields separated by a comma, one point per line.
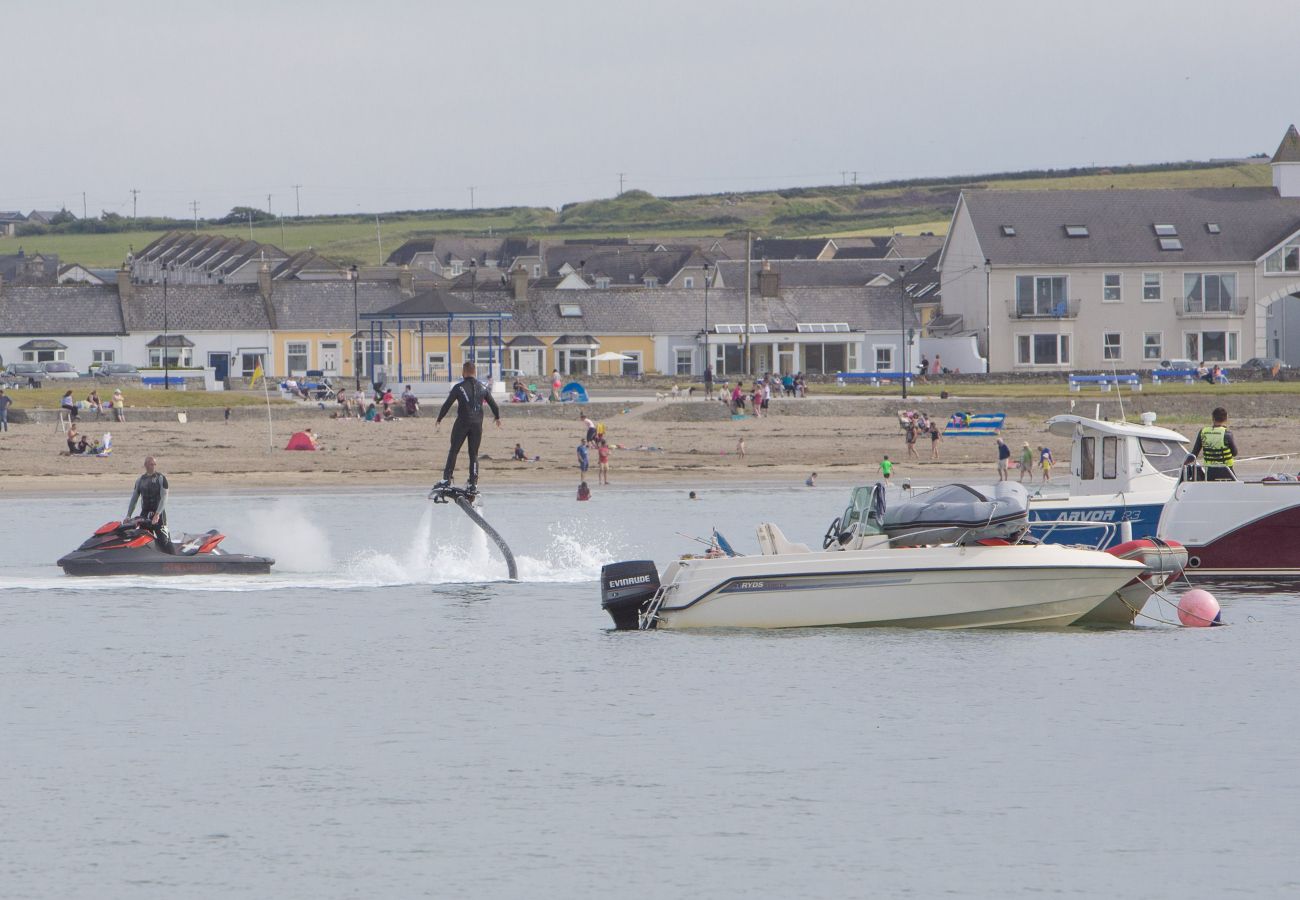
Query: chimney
x=264, y=281
x=519, y=283
x=769, y=282
x=125, y=287
x=406, y=281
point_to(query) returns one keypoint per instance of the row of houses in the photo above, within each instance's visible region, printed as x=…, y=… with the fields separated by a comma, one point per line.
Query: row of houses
x=346, y=327
x=11, y=219
x=1101, y=279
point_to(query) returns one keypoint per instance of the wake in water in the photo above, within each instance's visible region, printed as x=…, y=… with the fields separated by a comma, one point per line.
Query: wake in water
x=440, y=549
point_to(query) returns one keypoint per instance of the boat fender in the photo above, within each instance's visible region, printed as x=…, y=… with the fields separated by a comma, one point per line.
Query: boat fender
x=1198, y=609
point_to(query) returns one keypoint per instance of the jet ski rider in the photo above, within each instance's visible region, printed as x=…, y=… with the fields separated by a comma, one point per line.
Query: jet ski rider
x=151, y=492
x=469, y=395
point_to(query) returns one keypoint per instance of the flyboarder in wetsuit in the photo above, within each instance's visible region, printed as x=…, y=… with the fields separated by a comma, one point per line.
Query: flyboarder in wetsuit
x=151, y=492
x=469, y=394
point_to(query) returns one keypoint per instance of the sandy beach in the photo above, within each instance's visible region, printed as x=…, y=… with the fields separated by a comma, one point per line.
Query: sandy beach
x=842, y=439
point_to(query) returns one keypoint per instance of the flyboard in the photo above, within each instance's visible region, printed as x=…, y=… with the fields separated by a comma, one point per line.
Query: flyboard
x=465, y=500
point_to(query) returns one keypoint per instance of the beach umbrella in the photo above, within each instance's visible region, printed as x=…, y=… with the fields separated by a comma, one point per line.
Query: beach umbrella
x=610, y=356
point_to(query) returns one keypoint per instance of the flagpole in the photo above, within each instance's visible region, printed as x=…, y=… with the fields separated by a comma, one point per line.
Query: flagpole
x=266, y=391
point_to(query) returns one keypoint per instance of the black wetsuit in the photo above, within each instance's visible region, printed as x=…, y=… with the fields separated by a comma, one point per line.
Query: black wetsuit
x=151, y=491
x=469, y=394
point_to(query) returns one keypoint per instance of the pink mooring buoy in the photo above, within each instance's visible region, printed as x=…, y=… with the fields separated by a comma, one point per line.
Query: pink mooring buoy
x=1198, y=609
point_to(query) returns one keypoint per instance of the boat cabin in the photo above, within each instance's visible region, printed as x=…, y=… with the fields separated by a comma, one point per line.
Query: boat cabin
x=1113, y=457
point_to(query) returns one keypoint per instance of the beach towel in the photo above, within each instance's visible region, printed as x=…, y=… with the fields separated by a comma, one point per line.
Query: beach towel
x=974, y=425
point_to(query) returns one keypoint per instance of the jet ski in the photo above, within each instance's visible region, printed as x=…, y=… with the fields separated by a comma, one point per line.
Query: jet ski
x=132, y=547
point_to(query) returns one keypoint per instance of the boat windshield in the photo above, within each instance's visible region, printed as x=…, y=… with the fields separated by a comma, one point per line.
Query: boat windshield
x=1166, y=456
x=856, y=512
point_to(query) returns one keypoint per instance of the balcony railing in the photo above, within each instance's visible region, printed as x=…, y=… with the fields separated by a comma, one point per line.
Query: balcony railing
x=1197, y=306
x=1061, y=309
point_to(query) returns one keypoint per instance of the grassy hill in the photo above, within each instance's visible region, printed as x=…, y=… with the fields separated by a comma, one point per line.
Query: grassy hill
x=908, y=206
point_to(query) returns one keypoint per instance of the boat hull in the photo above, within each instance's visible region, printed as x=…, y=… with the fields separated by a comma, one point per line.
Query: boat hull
x=82, y=565
x=934, y=587
x=1239, y=529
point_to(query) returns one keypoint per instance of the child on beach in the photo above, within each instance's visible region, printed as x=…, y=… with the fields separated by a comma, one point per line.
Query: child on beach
x=602, y=461
x=583, y=459
x=811, y=480
x=886, y=468
x=584, y=492
x=1045, y=460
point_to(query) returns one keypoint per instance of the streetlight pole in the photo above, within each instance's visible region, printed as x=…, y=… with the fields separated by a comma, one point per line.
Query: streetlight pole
x=167, y=382
x=902, y=323
x=708, y=363
x=356, y=324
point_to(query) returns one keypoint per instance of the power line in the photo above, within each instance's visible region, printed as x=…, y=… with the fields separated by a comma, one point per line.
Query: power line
x=620, y=183
x=194, y=205
x=135, y=197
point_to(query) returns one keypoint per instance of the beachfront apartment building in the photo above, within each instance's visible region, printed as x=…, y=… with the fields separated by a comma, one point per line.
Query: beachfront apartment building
x=1123, y=279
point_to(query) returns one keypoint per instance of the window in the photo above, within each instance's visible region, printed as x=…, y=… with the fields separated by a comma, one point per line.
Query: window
x=365, y=348
x=820, y=327
x=484, y=358
x=688, y=281
x=1109, y=457
x=574, y=360
x=1041, y=295
x=825, y=359
x=103, y=356
x=1076, y=231
x=1042, y=349
x=1008, y=231
x=537, y=271
x=1152, y=286
x=884, y=358
x=631, y=366
x=1170, y=243
x=1285, y=259
x=650, y=281
x=602, y=281
x=1112, y=287
x=685, y=361
x=1166, y=456
x=295, y=357
x=1088, y=458
x=1152, y=345
x=570, y=311
x=1166, y=231
x=1212, y=227
x=1209, y=291
x=1112, y=345
x=177, y=357
x=1212, y=346
x=739, y=328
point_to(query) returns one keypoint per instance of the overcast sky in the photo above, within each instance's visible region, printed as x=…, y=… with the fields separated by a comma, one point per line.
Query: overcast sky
x=378, y=105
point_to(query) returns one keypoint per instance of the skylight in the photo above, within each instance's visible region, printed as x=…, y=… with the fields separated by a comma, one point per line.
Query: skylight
x=1076, y=231
x=739, y=328
x=570, y=310
x=1170, y=243
x=1212, y=227
x=1008, y=231
x=1165, y=230
x=821, y=327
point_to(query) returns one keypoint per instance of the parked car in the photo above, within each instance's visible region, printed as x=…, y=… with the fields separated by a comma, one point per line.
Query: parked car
x=116, y=370
x=61, y=371
x=24, y=373
x=1178, y=364
x=1267, y=363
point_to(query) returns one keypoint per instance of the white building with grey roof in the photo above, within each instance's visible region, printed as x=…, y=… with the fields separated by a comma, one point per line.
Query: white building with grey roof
x=1123, y=279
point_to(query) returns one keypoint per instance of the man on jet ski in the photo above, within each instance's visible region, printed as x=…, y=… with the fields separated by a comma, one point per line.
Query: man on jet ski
x=469, y=395
x=151, y=492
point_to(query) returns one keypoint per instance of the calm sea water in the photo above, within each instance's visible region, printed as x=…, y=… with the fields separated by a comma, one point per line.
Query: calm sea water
x=367, y=724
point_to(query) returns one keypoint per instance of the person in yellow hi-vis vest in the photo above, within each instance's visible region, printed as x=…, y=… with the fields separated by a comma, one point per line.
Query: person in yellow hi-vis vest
x=1215, y=445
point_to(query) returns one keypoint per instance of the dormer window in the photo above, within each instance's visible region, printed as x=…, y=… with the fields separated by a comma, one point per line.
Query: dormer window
x=602, y=281
x=1008, y=231
x=650, y=281
x=1076, y=231
x=1165, y=230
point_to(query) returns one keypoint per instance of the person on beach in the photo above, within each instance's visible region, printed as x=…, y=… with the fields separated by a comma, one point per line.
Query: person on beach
x=756, y=400
x=590, y=426
x=5, y=402
x=151, y=492
x=119, y=405
x=1217, y=447
x=469, y=395
x=811, y=480
x=934, y=439
x=584, y=459
x=602, y=461
x=886, y=469
x=938, y=365
x=69, y=405
x=410, y=402
x=1026, y=463
x=740, y=448
x=556, y=382
x=77, y=443
x=519, y=454
x=1004, y=457
x=708, y=381
x=909, y=434
x=1045, y=462
x=584, y=492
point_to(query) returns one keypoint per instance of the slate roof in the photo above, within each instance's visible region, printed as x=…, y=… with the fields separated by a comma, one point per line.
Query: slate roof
x=43, y=344
x=1121, y=225
x=170, y=340
x=788, y=248
x=1289, y=149
x=810, y=272
x=306, y=261
x=194, y=307
x=431, y=304
x=60, y=309
x=403, y=255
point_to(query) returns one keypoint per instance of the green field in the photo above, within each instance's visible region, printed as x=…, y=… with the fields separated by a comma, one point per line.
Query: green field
x=911, y=207
x=48, y=397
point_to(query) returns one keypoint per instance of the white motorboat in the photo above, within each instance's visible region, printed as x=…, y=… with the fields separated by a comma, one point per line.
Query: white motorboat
x=1129, y=481
x=862, y=579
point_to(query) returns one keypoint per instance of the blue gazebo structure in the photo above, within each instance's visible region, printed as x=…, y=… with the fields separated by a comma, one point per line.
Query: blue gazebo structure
x=433, y=314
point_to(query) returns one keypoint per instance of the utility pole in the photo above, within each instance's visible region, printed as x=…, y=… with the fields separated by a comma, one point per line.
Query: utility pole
x=83, y=205
x=135, y=198
x=844, y=176
x=297, y=199
x=749, y=280
x=250, y=224
x=620, y=183
x=902, y=325
x=194, y=205
x=471, y=196
x=268, y=204
x=379, y=239
x=855, y=179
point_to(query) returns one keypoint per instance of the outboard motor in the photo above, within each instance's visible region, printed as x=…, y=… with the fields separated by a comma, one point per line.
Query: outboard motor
x=626, y=589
